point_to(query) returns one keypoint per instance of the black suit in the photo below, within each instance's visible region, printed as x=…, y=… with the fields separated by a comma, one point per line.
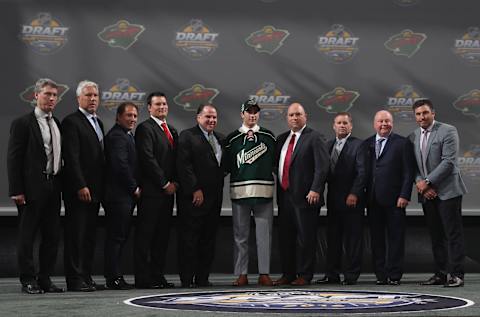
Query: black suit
x=345, y=223
x=119, y=200
x=26, y=165
x=198, y=168
x=156, y=162
x=84, y=167
x=298, y=220
x=389, y=177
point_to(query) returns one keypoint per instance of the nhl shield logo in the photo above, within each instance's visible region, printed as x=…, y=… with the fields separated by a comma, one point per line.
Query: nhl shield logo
x=196, y=40
x=338, y=45
x=190, y=99
x=28, y=95
x=338, y=100
x=267, y=40
x=468, y=46
x=405, y=43
x=44, y=34
x=121, y=34
x=469, y=103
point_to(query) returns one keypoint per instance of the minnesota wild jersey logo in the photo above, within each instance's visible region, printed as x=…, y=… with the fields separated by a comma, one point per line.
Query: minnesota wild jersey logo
x=121, y=34
x=267, y=40
x=405, y=43
x=469, y=103
x=338, y=100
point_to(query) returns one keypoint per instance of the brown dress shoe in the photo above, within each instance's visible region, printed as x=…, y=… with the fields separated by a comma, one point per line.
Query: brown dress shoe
x=300, y=281
x=265, y=280
x=282, y=281
x=242, y=280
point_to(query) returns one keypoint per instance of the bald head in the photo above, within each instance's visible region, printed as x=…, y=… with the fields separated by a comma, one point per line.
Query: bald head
x=383, y=123
x=296, y=117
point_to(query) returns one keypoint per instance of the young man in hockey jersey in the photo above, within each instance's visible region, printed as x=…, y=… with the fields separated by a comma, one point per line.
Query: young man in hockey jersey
x=251, y=158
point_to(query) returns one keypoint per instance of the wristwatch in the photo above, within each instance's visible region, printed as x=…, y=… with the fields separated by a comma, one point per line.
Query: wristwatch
x=427, y=181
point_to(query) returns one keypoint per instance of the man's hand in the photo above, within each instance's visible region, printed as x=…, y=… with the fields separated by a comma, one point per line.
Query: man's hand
x=170, y=189
x=352, y=200
x=84, y=195
x=430, y=194
x=19, y=199
x=197, y=200
x=402, y=202
x=422, y=186
x=313, y=197
x=137, y=193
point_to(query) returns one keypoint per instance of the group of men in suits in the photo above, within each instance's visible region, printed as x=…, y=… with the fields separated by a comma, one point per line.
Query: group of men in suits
x=121, y=170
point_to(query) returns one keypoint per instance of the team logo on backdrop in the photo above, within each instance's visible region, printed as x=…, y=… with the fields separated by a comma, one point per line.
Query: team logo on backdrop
x=267, y=40
x=196, y=40
x=338, y=100
x=338, y=45
x=122, y=91
x=406, y=3
x=405, y=43
x=193, y=97
x=28, y=95
x=44, y=34
x=401, y=102
x=469, y=104
x=272, y=100
x=294, y=301
x=469, y=163
x=467, y=47
x=121, y=34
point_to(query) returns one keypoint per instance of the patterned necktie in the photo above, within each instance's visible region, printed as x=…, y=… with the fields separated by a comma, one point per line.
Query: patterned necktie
x=131, y=136
x=424, y=151
x=98, y=130
x=334, y=156
x=211, y=140
x=286, y=163
x=167, y=133
x=56, y=147
x=378, y=147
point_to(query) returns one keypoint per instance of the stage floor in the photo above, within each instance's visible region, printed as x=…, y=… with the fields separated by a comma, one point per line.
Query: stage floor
x=111, y=303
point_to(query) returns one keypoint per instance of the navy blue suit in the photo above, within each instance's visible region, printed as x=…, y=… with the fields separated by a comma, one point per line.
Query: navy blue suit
x=345, y=224
x=121, y=159
x=389, y=177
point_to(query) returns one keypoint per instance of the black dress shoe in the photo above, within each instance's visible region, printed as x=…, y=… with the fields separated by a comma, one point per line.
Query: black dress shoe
x=31, y=288
x=435, y=280
x=206, y=283
x=189, y=285
x=82, y=287
x=455, y=281
x=328, y=280
x=381, y=282
x=118, y=284
x=52, y=288
x=349, y=282
x=394, y=282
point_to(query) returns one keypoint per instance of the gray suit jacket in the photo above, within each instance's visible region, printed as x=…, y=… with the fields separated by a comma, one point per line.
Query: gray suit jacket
x=441, y=163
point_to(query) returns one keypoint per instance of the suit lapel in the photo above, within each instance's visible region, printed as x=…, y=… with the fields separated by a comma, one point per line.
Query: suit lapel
x=418, y=153
x=299, y=144
x=432, y=136
x=387, y=145
x=207, y=144
x=36, y=129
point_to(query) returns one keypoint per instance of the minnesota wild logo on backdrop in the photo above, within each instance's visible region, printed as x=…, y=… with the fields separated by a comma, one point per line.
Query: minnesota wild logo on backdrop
x=267, y=40
x=338, y=100
x=193, y=97
x=28, y=95
x=469, y=103
x=405, y=43
x=121, y=34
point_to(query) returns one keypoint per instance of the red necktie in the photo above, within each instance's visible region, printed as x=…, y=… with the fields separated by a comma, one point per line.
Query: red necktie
x=167, y=133
x=286, y=163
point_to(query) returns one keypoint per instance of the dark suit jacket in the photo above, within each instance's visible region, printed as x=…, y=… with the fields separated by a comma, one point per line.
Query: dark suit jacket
x=121, y=158
x=349, y=176
x=83, y=157
x=26, y=158
x=308, y=166
x=197, y=165
x=392, y=175
x=156, y=158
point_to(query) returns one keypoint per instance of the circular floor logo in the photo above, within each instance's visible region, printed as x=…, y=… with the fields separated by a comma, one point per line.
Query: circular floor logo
x=300, y=301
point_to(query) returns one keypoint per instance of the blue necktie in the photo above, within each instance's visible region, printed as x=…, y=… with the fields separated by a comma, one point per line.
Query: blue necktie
x=98, y=130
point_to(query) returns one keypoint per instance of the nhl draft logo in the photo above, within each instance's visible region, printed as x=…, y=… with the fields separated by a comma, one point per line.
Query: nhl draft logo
x=468, y=46
x=338, y=100
x=121, y=34
x=405, y=43
x=406, y=3
x=295, y=301
x=469, y=104
x=44, y=34
x=190, y=99
x=28, y=95
x=338, y=45
x=196, y=40
x=400, y=104
x=122, y=91
x=267, y=40
x=271, y=99
x=469, y=163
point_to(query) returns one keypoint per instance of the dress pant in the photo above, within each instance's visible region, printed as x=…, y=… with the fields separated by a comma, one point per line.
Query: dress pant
x=197, y=236
x=344, y=232
x=152, y=233
x=298, y=233
x=80, y=240
x=118, y=216
x=387, y=231
x=44, y=215
x=444, y=220
x=263, y=215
